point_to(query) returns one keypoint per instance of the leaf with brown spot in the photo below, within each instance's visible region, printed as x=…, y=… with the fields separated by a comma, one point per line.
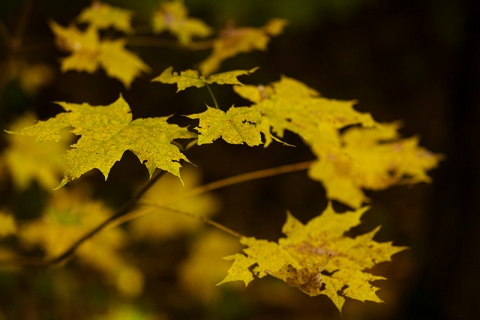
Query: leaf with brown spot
x=307, y=250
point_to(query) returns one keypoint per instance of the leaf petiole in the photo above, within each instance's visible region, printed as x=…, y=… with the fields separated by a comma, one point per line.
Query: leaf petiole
x=212, y=95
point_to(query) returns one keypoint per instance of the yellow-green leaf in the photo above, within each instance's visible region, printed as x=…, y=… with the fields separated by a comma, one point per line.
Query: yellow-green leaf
x=317, y=258
x=236, y=126
x=289, y=104
x=239, y=269
x=28, y=161
x=7, y=224
x=203, y=268
x=101, y=16
x=106, y=133
x=173, y=16
x=369, y=155
x=88, y=53
x=370, y=158
x=192, y=78
x=120, y=63
x=84, y=47
x=233, y=41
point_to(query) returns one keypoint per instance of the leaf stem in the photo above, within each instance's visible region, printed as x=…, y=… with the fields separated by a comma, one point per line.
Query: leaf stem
x=212, y=95
x=193, y=216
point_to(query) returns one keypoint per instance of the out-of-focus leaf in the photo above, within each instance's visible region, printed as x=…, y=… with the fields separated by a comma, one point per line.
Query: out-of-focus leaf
x=233, y=41
x=7, y=224
x=88, y=53
x=101, y=16
x=203, y=268
x=173, y=16
x=368, y=155
x=28, y=161
x=71, y=214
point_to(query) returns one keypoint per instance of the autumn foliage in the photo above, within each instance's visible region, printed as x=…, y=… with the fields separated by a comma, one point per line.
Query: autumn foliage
x=352, y=152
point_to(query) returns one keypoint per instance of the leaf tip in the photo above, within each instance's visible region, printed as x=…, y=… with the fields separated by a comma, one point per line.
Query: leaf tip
x=62, y=183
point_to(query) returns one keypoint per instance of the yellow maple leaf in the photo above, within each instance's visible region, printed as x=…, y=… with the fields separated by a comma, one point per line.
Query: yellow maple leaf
x=200, y=271
x=158, y=223
x=192, y=78
x=120, y=63
x=317, y=257
x=84, y=47
x=233, y=41
x=385, y=159
x=28, y=161
x=173, y=16
x=360, y=157
x=237, y=125
x=7, y=224
x=106, y=133
x=89, y=52
x=101, y=16
x=289, y=104
x=371, y=158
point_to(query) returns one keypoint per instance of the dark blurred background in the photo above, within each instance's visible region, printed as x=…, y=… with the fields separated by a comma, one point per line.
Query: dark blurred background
x=408, y=60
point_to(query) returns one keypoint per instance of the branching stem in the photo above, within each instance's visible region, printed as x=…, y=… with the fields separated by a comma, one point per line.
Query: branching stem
x=124, y=213
x=250, y=176
x=125, y=209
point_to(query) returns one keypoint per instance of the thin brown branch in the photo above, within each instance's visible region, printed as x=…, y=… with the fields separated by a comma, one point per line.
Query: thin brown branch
x=22, y=23
x=192, y=216
x=126, y=208
x=153, y=41
x=124, y=213
x=265, y=173
x=5, y=36
x=14, y=42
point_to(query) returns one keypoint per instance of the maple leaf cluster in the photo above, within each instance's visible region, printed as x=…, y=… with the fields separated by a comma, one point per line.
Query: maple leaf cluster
x=352, y=152
x=88, y=51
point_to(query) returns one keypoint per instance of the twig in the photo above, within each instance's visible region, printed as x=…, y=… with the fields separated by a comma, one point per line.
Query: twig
x=193, y=216
x=5, y=36
x=265, y=173
x=22, y=23
x=126, y=208
x=123, y=214
x=153, y=41
x=13, y=42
